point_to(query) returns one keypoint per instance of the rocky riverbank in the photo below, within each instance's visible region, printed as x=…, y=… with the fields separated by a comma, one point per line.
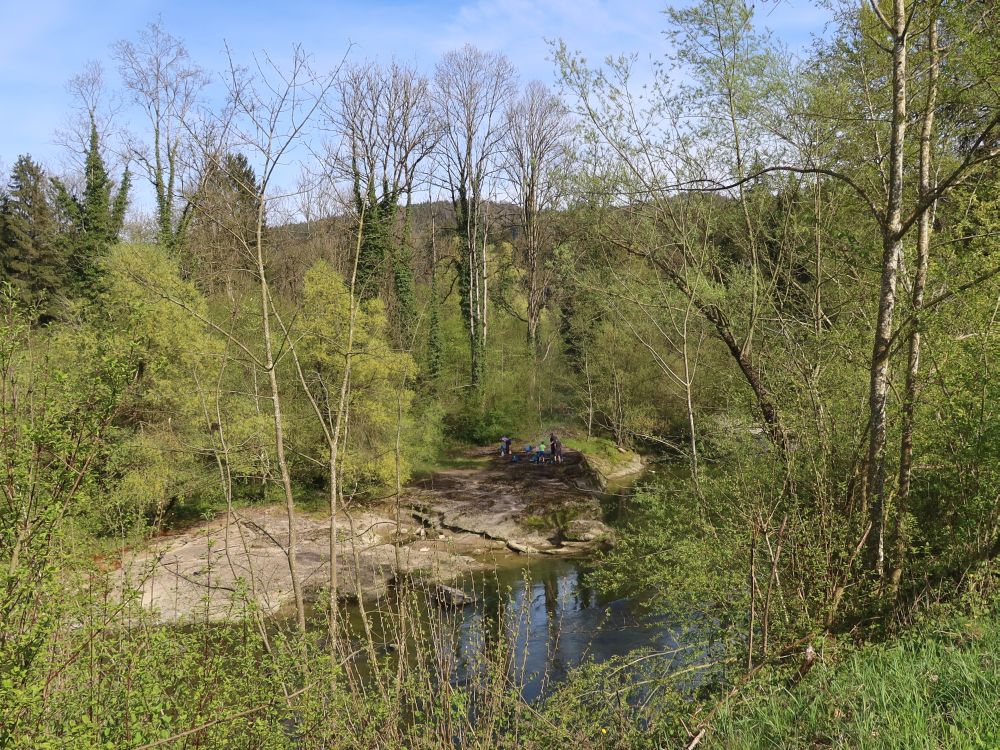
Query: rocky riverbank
x=453, y=523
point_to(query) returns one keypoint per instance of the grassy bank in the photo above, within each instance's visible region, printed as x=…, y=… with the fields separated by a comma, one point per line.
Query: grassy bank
x=604, y=456
x=935, y=687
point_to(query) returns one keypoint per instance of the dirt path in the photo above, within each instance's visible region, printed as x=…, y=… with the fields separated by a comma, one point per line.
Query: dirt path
x=455, y=522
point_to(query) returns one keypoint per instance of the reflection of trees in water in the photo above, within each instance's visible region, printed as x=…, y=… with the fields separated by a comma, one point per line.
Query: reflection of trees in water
x=535, y=624
x=584, y=594
x=494, y=611
x=550, y=587
x=553, y=622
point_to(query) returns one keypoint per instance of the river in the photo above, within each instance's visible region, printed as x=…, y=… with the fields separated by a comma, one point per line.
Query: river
x=554, y=619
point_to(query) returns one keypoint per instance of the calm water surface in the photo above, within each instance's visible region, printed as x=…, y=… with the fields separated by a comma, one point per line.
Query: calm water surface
x=561, y=622
x=556, y=619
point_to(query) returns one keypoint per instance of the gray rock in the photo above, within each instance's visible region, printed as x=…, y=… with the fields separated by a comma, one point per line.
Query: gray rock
x=449, y=595
x=585, y=530
x=524, y=549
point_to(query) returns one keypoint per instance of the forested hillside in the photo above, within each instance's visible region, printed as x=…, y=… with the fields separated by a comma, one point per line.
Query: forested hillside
x=306, y=291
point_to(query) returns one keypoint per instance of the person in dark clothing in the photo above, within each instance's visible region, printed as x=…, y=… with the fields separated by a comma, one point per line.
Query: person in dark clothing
x=557, y=451
x=505, y=446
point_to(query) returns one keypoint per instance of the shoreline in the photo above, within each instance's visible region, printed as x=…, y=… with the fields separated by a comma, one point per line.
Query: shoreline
x=453, y=522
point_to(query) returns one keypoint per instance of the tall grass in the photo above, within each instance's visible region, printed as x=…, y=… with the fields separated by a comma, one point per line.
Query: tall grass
x=410, y=670
x=938, y=687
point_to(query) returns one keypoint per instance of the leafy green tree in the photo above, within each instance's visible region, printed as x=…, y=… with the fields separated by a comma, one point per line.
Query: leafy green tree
x=378, y=374
x=62, y=390
x=157, y=464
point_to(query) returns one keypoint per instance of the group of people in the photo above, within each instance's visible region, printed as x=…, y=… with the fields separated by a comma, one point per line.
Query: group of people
x=534, y=454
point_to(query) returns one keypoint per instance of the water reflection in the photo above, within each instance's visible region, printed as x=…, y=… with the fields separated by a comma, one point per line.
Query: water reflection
x=545, y=617
x=555, y=620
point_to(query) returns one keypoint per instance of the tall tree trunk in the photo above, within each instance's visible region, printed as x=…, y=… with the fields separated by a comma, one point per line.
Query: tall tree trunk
x=535, y=293
x=279, y=430
x=892, y=248
x=483, y=299
x=336, y=435
x=919, y=284
x=689, y=401
x=468, y=207
x=590, y=399
x=476, y=255
x=402, y=276
x=334, y=427
x=434, y=344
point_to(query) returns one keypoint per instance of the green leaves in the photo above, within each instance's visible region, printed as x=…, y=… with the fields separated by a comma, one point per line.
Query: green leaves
x=380, y=376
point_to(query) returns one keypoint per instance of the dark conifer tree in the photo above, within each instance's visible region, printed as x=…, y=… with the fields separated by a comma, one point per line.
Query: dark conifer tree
x=31, y=255
x=95, y=218
x=224, y=224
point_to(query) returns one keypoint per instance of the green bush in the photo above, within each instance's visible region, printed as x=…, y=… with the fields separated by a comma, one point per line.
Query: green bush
x=475, y=424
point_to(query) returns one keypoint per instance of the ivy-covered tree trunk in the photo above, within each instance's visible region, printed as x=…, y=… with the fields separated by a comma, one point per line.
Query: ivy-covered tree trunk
x=472, y=282
x=402, y=280
x=435, y=346
x=374, y=246
x=96, y=219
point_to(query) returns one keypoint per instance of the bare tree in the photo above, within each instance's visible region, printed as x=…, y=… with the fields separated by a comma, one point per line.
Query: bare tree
x=273, y=105
x=163, y=81
x=91, y=105
x=471, y=94
x=387, y=131
x=330, y=401
x=538, y=127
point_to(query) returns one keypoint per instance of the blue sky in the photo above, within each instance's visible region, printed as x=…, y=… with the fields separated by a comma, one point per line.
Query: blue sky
x=49, y=41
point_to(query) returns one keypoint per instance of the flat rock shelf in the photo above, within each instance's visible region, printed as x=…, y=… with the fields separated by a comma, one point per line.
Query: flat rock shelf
x=454, y=522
